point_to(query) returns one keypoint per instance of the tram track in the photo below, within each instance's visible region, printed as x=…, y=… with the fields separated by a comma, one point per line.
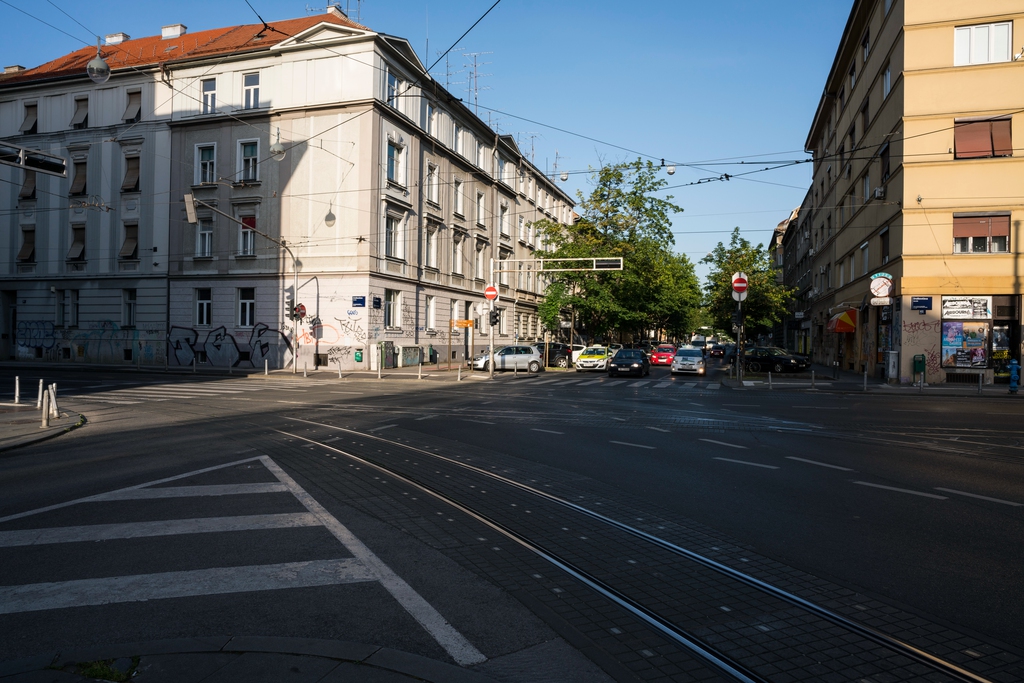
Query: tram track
x=691, y=618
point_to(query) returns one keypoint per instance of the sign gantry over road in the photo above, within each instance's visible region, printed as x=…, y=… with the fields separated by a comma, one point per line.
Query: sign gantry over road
x=739, y=286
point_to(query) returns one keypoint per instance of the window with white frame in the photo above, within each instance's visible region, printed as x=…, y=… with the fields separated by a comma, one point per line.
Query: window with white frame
x=70, y=312
x=247, y=236
x=481, y=154
x=481, y=209
x=204, y=307
x=81, y=116
x=431, y=311
x=867, y=187
x=428, y=122
x=522, y=181
x=432, y=184
x=133, y=111
x=457, y=241
x=392, y=308
x=853, y=77
x=392, y=236
x=519, y=276
x=478, y=262
x=430, y=247
x=209, y=90
x=130, y=299
x=248, y=160
x=502, y=321
x=503, y=219
x=501, y=170
x=204, y=238
x=983, y=43
x=522, y=229
x=458, y=204
x=887, y=81
x=864, y=258
x=396, y=165
x=130, y=182
x=457, y=140
x=246, y=306
x=503, y=268
x=30, y=124
x=206, y=163
x=251, y=91
x=529, y=233
x=865, y=45
x=981, y=234
x=394, y=90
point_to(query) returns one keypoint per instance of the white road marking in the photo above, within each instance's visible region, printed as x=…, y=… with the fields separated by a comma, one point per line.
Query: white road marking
x=191, y=491
x=741, y=405
x=659, y=429
x=591, y=381
x=425, y=417
x=619, y=419
x=564, y=382
x=820, y=407
x=689, y=385
x=479, y=422
x=143, y=587
x=820, y=464
x=641, y=383
x=975, y=495
x=899, y=490
x=460, y=649
x=548, y=381
x=546, y=431
x=357, y=393
x=723, y=443
x=634, y=445
x=752, y=464
x=377, y=429
x=713, y=386
x=171, y=527
x=615, y=382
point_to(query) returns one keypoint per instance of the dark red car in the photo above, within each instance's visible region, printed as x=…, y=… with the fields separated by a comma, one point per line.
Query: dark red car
x=663, y=354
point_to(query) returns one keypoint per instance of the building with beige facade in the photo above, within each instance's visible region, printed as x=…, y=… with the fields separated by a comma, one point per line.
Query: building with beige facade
x=917, y=180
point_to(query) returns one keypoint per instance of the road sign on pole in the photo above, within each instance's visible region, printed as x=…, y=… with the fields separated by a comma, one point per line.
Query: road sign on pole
x=491, y=293
x=739, y=282
x=739, y=296
x=300, y=311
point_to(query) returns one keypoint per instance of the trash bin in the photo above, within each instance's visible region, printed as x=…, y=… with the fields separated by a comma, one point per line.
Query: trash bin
x=919, y=361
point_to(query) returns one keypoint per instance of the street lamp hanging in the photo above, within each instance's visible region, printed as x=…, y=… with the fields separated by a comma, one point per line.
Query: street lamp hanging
x=330, y=218
x=277, y=150
x=98, y=70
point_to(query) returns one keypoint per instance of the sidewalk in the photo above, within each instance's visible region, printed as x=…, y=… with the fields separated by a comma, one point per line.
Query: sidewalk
x=853, y=382
x=20, y=424
x=236, y=660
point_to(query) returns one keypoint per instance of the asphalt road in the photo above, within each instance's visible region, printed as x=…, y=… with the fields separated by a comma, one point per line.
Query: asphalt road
x=913, y=502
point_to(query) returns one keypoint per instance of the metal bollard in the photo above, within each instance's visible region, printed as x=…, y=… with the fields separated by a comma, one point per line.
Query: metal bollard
x=266, y=366
x=339, y=371
x=17, y=390
x=304, y=370
x=193, y=364
x=979, y=385
x=39, y=401
x=460, y=374
x=865, y=380
x=812, y=379
x=54, y=410
x=515, y=370
x=770, y=381
x=378, y=370
x=419, y=371
x=230, y=369
x=46, y=411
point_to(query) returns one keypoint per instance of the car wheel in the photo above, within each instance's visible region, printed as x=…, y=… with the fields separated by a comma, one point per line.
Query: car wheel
x=487, y=365
x=534, y=366
x=777, y=368
x=562, y=362
x=753, y=367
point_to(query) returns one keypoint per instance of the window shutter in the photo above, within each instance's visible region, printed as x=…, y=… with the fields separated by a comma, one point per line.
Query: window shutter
x=81, y=112
x=77, y=244
x=131, y=112
x=131, y=242
x=972, y=226
x=973, y=140
x=28, y=188
x=78, y=184
x=1000, y=226
x=131, y=175
x=1002, y=145
x=30, y=118
x=28, y=244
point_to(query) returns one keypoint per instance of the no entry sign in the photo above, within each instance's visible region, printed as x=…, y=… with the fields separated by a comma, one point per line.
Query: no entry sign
x=739, y=282
x=491, y=293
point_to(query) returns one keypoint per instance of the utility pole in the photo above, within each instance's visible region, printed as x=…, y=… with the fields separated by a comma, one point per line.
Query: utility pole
x=490, y=331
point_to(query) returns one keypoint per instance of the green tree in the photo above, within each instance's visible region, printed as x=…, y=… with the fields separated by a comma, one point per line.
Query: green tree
x=621, y=217
x=766, y=299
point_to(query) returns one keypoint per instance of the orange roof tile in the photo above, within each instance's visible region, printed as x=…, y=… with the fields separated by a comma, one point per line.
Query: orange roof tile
x=154, y=50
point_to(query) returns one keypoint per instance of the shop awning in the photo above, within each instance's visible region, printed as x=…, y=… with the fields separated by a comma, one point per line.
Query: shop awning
x=845, y=321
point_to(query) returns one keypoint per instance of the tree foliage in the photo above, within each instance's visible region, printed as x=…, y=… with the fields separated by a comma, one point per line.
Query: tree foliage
x=621, y=217
x=766, y=298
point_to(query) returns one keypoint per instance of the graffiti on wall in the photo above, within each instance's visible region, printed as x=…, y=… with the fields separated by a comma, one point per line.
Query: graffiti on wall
x=223, y=350
x=923, y=337
x=104, y=341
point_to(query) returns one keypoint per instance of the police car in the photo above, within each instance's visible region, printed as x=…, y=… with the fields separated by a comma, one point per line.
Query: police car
x=592, y=358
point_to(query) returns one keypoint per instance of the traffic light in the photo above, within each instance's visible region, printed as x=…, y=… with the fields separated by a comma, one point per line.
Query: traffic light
x=495, y=318
x=289, y=308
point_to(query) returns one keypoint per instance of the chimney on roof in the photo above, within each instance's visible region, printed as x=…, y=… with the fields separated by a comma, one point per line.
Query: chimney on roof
x=116, y=38
x=335, y=9
x=173, y=31
x=13, y=69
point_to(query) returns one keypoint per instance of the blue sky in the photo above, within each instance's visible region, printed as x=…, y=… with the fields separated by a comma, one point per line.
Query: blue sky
x=679, y=80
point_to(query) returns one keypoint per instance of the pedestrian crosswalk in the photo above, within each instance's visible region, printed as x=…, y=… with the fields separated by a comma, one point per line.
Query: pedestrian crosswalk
x=133, y=393
x=628, y=384
x=272, y=542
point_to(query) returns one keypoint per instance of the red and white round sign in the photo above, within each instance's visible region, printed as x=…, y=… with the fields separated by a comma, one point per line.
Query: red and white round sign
x=739, y=282
x=491, y=293
x=300, y=311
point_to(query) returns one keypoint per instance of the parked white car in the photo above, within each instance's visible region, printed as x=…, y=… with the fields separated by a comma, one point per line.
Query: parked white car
x=527, y=358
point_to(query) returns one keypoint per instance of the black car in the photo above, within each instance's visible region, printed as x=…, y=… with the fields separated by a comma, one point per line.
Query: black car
x=717, y=351
x=559, y=355
x=772, y=359
x=629, y=362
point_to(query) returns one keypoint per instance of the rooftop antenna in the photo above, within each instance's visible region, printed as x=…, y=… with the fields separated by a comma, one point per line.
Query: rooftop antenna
x=474, y=87
x=532, y=137
x=554, y=167
x=448, y=73
x=348, y=9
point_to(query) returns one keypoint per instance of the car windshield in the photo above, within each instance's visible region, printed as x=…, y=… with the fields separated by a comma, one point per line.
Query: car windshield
x=689, y=353
x=629, y=355
x=776, y=351
x=666, y=349
x=594, y=351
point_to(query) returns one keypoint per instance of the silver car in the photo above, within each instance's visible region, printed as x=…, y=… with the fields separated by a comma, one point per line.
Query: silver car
x=526, y=358
x=688, y=359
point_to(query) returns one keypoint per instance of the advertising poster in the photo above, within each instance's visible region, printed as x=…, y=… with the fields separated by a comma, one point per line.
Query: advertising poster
x=966, y=307
x=964, y=345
